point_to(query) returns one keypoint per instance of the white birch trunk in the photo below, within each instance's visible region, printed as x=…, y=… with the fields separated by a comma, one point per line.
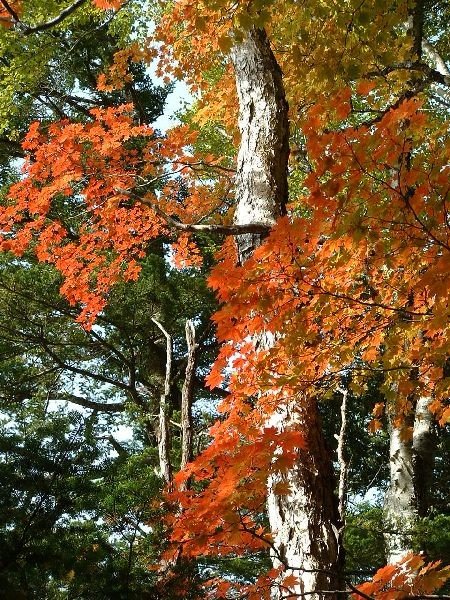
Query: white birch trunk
x=424, y=449
x=411, y=467
x=399, y=504
x=303, y=523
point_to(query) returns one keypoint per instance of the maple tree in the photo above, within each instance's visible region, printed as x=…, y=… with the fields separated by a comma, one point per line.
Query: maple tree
x=348, y=273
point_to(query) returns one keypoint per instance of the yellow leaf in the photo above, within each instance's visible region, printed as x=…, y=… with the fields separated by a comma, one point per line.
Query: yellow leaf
x=225, y=43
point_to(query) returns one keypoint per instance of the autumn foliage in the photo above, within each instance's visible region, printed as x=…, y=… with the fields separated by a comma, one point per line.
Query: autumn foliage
x=8, y=14
x=95, y=164
x=354, y=278
x=411, y=577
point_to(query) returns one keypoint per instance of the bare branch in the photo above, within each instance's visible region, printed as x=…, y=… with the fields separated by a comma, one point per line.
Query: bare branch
x=45, y=344
x=206, y=165
x=115, y=444
x=358, y=592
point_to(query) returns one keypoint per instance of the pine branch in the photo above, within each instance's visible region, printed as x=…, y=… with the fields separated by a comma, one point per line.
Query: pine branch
x=97, y=406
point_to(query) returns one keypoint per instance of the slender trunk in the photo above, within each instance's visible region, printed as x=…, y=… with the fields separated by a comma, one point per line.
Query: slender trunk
x=399, y=503
x=411, y=455
x=303, y=523
x=165, y=467
x=411, y=469
x=186, y=397
x=343, y=470
x=424, y=448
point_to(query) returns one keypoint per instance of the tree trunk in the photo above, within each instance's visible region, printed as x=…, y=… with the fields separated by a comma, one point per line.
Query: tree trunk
x=261, y=179
x=399, y=503
x=165, y=467
x=411, y=469
x=424, y=448
x=411, y=457
x=303, y=523
x=186, y=397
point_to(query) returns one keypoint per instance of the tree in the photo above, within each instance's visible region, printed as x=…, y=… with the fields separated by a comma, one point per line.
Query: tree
x=47, y=361
x=70, y=515
x=351, y=280
x=116, y=370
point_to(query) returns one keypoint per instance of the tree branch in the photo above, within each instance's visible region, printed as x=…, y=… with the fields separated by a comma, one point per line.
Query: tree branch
x=28, y=30
x=10, y=10
x=66, y=366
x=433, y=54
x=98, y=406
x=432, y=75
x=192, y=227
x=117, y=447
x=416, y=19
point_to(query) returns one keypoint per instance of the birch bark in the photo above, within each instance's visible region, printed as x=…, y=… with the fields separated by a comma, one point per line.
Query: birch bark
x=303, y=523
x=410, y=458
x=411, y=468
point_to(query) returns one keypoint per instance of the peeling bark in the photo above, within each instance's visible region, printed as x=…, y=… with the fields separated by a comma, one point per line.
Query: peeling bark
x=303, y=523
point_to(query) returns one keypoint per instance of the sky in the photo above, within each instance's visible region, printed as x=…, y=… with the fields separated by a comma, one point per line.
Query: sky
x=179, y=99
